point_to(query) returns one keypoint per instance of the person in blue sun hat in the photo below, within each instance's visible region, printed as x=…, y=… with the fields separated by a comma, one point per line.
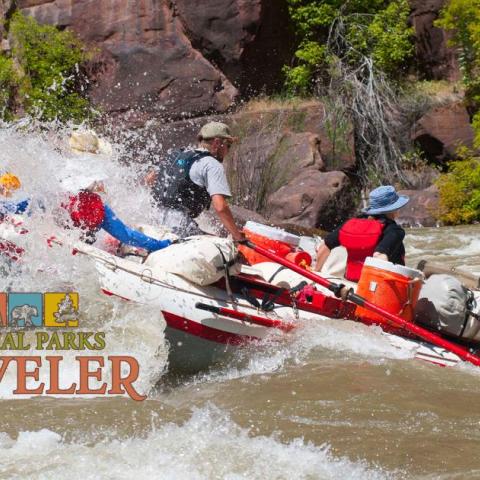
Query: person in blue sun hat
x=374, y=233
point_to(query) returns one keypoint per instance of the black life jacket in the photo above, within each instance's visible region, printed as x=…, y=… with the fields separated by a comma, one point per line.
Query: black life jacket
x=174, y=187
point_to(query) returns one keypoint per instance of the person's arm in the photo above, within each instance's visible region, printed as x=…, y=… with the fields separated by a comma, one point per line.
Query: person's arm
x=116, y=228
x=215, y=181
x=224, y=213
x=322, y=254
x=391, y=241
x=330, y=241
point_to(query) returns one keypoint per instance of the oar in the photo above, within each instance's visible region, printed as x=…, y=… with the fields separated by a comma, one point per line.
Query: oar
x=264, y=322
x=345, y=293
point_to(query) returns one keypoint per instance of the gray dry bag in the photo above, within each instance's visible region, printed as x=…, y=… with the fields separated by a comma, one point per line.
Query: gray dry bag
x=446, y=305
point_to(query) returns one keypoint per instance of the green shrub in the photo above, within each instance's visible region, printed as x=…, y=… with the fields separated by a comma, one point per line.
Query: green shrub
x=372, y=28
x=389, y=41
x=460, y=190
x=9, y=82
x=50, y=61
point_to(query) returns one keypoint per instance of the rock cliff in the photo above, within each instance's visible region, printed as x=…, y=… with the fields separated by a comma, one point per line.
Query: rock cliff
x=175, y=59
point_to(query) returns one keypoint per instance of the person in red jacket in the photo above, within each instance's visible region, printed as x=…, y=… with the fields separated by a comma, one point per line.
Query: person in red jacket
x=375, y=233
x=89, y=213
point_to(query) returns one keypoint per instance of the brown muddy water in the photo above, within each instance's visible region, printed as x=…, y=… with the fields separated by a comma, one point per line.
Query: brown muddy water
x=334, y=400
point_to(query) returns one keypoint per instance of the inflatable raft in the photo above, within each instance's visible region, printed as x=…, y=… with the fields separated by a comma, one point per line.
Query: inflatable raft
x=213, y=301
x=211, y=310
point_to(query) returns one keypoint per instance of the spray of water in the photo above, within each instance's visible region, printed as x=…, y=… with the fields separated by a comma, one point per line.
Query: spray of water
x=48, y=170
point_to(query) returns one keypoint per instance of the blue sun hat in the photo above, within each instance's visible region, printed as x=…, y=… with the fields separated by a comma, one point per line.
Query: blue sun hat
x=384, y=199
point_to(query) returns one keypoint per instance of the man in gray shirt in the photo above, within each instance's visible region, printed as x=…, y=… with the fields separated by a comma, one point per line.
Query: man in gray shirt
x=196, y=178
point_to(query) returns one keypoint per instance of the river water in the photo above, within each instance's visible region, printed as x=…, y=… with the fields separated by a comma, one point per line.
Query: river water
x=333, y=400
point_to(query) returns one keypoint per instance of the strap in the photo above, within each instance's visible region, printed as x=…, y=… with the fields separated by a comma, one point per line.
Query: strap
x=250, y=298
x=470, y=304
x=191, y=156
x=226, y=267
x=270, y=280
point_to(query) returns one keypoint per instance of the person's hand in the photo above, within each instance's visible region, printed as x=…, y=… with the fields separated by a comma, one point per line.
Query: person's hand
x=240, y=239
x=177, y=240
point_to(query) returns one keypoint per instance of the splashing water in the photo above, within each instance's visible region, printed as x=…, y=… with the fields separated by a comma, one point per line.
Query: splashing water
x=208, y=445
x=43, y=161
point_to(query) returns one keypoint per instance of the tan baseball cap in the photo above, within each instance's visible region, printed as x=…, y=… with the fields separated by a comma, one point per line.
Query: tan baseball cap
x=215, y=130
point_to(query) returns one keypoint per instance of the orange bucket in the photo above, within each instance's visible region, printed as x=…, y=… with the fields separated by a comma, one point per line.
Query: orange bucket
x=281, y=249
x=394, y=288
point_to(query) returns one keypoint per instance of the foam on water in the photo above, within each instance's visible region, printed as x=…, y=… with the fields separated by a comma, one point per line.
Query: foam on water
x=471, y=246
x=207, y=446
x=336, y=339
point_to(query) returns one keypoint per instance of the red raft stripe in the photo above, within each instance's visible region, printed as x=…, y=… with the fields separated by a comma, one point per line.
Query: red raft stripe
x=111, y=294
x=197, y=329
x=202, y=331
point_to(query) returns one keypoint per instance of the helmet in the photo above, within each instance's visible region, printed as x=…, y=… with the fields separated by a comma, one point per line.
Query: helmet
x=9, y=182
x=86, y=210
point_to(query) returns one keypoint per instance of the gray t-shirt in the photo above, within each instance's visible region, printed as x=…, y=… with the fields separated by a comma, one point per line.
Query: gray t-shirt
x=208, y=172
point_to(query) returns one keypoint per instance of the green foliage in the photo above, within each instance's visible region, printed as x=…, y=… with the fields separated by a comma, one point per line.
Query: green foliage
x=373, y=28
x=462, y=19
x=311, y=56
x=50, y=62
x=460, y=190
x=9, y=81
x=476, y=129
x=390, y=40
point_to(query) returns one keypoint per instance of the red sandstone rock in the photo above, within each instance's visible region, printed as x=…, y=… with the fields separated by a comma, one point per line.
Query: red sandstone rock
x=421, y=209
x=151, y=68
x=312, y=199
x=434, y=57
x=442, y=130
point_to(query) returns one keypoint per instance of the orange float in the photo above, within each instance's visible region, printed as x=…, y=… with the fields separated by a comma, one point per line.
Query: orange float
x=276, y=240
x=275, y=246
